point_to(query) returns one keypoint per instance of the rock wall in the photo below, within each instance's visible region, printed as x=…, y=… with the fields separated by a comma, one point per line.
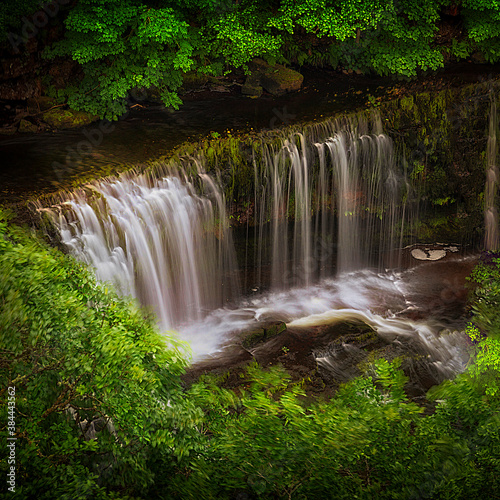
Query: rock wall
x=440, y=148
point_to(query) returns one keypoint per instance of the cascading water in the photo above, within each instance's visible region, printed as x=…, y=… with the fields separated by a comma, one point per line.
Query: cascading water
x=157, y=241
x=311, y=190
x=492, y=240
x=327, y=199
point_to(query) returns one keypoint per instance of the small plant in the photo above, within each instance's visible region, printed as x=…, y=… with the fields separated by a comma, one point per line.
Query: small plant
x=373, y=101
x=285, y=350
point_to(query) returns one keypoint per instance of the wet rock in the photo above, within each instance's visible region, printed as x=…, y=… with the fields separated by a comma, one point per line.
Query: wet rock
x=67, y=118
x=26, y=126
x=340, y=363
x=262, y=333
x=276, y=80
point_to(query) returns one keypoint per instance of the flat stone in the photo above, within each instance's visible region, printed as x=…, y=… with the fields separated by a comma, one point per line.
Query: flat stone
x=426, y=254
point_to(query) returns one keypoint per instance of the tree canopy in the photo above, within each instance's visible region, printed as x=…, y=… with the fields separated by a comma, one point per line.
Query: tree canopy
x=123, y=45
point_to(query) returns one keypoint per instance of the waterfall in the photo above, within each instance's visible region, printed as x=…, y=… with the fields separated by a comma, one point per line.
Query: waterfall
x=327, y=199
x=491, y=241
x=328, y=204
x=157, y=241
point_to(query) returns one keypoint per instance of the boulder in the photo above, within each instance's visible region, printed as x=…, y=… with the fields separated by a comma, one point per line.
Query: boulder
x=26, y=126
x=276, y=80
x=67, y=118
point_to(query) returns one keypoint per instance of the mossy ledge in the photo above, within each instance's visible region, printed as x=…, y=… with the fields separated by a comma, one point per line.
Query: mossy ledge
x=440, y=140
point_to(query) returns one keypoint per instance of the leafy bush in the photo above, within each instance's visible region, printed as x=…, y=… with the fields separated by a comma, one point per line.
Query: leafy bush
x=369, y=441
x=100, y=411
x=80, y=359
x=484, y=328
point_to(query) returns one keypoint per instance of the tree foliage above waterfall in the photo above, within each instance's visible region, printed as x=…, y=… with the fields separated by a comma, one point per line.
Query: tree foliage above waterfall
x=124, y=45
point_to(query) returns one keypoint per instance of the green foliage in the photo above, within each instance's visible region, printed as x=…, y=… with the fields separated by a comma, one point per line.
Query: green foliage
x=129, y=45
x=80, y=357
x=484, y=328
x=238, y=36
x=482, y=20
x=369, y=441
x=124, y=45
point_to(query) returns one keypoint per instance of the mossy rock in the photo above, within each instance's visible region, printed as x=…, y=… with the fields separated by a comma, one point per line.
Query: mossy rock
x=192, y=80
x=251, y=90
x=68, y=118
x=40, y=104
x=262, y=333
x=276, y=80
x=26, y=127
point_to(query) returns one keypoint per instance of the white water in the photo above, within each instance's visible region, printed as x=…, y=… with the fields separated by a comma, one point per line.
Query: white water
x=378, y=300
x=161, y=243
x=332, y=204
x=167, y=241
